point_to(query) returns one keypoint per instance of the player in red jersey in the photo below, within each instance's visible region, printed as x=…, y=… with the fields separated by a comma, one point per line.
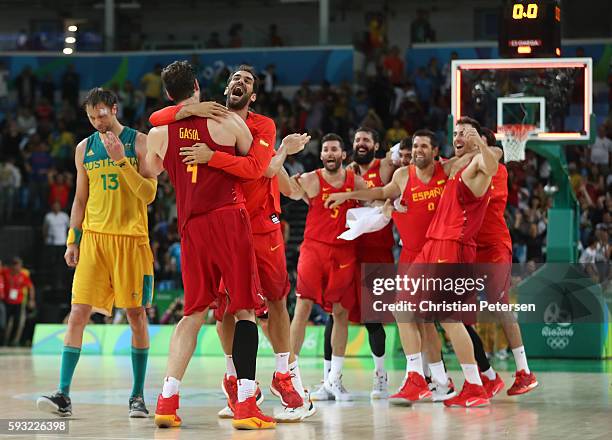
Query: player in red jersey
x=451, y=239
x=263, y=205
x=494, y=245
x=326, y=264
x=375, y=247
x=418, y=186
x=216, y=242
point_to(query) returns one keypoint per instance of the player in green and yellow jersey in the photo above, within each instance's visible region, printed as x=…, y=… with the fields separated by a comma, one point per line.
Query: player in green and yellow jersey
x=108, y=243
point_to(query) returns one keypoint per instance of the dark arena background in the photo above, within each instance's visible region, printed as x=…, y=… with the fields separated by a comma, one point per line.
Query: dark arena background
x=115, y=273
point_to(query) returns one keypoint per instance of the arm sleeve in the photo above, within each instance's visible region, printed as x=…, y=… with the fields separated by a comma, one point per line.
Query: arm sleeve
x=164, y=116
x=142, y=187
x=254, y=164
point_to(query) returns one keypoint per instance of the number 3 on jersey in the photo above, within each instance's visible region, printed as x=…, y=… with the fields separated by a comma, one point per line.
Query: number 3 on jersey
x=193, y=169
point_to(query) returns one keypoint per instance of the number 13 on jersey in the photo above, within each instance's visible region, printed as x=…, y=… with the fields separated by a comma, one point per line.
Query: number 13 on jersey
x=193, y=169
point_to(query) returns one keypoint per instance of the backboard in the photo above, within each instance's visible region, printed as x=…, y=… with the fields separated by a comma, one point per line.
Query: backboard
x=553, y=94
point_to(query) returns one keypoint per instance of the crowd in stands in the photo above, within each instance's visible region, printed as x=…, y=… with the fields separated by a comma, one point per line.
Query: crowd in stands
x=41, y=127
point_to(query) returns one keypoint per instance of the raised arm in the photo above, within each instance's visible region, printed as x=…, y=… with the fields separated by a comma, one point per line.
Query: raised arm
x=292, y=144
x=77, y=214
x=141, y=182
x=288, y=186
x=390, y=191
x=157, y=144
x=208, y=109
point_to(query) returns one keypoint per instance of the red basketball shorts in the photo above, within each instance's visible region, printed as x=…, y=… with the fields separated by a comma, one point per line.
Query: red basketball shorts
x=446, y=251
x=218, y=245
x=272, y=264
x=498, y=262
x=326, y=274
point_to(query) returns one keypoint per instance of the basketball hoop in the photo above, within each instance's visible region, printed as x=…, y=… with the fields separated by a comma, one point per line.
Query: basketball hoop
x=515, y=140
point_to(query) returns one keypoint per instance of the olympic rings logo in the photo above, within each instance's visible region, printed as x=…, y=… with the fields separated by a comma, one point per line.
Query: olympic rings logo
x=557, y=343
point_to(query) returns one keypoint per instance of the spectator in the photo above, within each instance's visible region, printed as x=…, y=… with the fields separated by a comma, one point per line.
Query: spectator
x=4, y=78
x=55, y=232
x=174, y=313
x=269, y=79
x=70, y=84
x=601, y=148
x=152, y=87
x=26, y=121
x=67, y=113
x=19, y=289
x=395, y=134
x=10, y=181
x=47, y=88
x=274, y=39
x=235, y=39
x=130, y=101
x=22, y=40
x=394, y=66
x=38, y=165
x=63, y=144
x=26, y=84
x=420, y=29
x=44, y=117
x=213, y=41
x=59, y=188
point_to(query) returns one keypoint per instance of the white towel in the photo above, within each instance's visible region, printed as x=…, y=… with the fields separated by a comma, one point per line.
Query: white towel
x=363, y=220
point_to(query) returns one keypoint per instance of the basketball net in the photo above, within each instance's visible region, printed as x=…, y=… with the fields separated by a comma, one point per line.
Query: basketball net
x=515, y=141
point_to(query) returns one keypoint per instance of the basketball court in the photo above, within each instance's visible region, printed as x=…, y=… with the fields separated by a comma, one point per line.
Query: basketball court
x=573, y=396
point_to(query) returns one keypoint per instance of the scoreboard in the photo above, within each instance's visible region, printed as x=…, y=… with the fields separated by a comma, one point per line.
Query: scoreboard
x=530, y=28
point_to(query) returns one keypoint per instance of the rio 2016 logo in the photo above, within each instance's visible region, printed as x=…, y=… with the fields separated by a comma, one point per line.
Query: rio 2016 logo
x=558, y=330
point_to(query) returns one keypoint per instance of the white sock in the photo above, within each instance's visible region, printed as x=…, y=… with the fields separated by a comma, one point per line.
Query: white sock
x=171, y=387
x=296, y=379
x=379, y=363
x=230, y=369
x=326, y=368
x=438, y=373
x=282, y=362
x=336, y=367
x=520, y=358
x=425, y=360
x=246, y=389
x=470, y=371
x=490, y=373
x=414, y=362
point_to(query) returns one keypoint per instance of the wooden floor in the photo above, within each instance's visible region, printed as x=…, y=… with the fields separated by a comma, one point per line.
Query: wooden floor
x=573, y=401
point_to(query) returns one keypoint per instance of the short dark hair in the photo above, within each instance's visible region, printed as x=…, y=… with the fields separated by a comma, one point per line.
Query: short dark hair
x=470, y=121
x=251, y=70
x=372, y=132
x=406, y=144
x=98, y=95
x=489, y=136
x=179, y=80
x=332, y=137
x=433, y=139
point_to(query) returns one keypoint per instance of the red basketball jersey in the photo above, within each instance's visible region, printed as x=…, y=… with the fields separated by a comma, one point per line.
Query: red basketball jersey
x=460, y=213
x=384, y=237
x=199, y=188
x=421, y=201
x=494, y=230
x=323, y=224
x=262, y=195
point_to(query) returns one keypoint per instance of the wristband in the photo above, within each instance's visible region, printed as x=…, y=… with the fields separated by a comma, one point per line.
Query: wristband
x=74, y=236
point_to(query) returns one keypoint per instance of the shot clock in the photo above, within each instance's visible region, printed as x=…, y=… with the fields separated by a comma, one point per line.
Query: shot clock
x=530, y=28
